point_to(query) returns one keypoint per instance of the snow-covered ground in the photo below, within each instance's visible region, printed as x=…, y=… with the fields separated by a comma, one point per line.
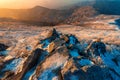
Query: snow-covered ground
x=14, y=34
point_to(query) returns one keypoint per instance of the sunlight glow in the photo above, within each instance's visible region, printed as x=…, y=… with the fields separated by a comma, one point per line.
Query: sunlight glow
x=31, y=3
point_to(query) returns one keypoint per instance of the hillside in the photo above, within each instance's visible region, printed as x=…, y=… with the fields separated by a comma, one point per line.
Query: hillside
x=38, y=14
x=76, y=13
x=44, y=16
x=82, y=14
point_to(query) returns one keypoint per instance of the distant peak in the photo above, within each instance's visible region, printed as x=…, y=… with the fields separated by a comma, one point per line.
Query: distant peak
x=39, y=7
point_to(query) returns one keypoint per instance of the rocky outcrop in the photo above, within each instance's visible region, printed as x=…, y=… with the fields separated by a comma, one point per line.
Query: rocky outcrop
x=60, y=57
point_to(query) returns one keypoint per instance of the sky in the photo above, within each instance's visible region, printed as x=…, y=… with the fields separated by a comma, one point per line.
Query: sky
x=20, y=4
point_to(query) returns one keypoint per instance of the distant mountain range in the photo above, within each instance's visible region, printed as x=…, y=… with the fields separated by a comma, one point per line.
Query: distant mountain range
x=38, y=14
x=72, y=13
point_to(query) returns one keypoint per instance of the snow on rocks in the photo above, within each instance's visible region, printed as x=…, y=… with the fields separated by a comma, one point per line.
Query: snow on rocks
x=61, y=57
x=48, y=68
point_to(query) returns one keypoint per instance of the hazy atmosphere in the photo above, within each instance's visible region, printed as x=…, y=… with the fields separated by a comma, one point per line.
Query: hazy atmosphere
x=31, y=3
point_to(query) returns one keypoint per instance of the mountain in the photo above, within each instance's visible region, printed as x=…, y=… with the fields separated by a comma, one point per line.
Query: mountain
x=44, y=16
x=109, y=7
x=38, y=14
x=52, y=57
x=82, y=14
x=73, y=13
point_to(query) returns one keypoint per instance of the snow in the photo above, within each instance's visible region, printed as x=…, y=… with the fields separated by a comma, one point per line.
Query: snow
x=85, y=62
x=12, y=66
x=4, y=53
x=31, y=71
x=52, y=64
x=74, y=53
x=47, y=74
x=74, y=77
x=45, y=43
x=55, y=78
x=115, y=77
x=72, y=40
x=108, y=61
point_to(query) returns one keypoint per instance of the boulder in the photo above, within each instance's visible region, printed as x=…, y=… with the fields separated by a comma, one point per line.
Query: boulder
x=96, y=48
x=20, y=66
x=50, y=33
x=64, y=37
x=53, y=45
x=50, y=68
x=73, y=71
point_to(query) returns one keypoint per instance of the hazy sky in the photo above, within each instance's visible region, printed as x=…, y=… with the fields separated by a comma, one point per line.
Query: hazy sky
x=31, y=3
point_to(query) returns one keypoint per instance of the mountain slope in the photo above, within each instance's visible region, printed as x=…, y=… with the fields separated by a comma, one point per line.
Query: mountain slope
x=36, y=15
x=81, y=14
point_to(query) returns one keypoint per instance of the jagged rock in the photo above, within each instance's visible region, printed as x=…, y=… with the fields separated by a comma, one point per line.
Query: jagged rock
x=20, y=66
x=50, y=33
x=51, y=66
x=21, y=47
x=53, y=45
x=53, y=35
x=31, y=62
x=59, y=57
x=15, y=66
x=73, y=71
x=65, y=37
x=96, y=48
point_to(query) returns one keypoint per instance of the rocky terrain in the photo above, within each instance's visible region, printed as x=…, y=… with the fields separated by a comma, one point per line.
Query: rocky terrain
x=79, y=12
x=79, y=42
x=65, y=52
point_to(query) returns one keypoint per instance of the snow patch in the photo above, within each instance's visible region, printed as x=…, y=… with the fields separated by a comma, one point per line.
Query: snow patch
x=31, y=71
x=47, y=74
x=12, y=66
x=74, y=78
x=4, y=53
x=72, y=40
x=85, y=62
x=108, y=60
x=45, y=43
x=115, y=77
x=74, y=53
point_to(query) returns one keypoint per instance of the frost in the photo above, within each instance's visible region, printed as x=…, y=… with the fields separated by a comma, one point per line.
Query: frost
x=45, y=43
x=29, y=73
x=108, y=61
x=47, y=74
x=74, y=78
x=85, y=62
x=74, y=53
x=72, y=40
x=4, y=53
x=12, y=66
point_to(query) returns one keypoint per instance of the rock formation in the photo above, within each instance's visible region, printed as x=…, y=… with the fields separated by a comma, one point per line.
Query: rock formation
x=59, y=57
